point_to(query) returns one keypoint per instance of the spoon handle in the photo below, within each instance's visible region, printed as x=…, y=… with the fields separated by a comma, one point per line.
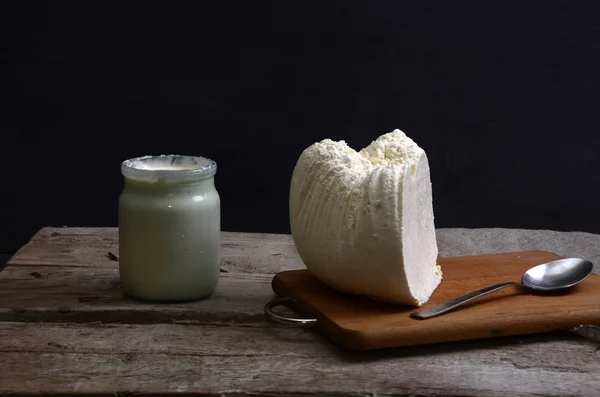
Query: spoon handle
x=447, y=306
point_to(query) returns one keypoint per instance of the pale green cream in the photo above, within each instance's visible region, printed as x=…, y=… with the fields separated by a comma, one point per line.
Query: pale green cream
x=169, y=230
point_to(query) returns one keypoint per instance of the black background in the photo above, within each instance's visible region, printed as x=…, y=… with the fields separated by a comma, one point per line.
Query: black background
x=503, y=96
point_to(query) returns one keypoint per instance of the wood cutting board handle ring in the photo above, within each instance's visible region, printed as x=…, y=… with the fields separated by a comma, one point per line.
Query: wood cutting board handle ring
x=271, y=315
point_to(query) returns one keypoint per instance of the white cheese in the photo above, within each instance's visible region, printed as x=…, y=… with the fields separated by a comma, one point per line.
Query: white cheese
x=363, y=221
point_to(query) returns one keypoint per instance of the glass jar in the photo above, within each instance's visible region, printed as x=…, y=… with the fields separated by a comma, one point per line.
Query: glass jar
x=169, y=228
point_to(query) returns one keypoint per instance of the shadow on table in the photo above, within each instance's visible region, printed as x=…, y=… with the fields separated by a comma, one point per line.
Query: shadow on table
x=459, y=346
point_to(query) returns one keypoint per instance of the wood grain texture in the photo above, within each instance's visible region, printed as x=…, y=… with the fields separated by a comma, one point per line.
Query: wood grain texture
x=230, y=360
x=66, y=328
x=358, y=323
x=272, y=253
x=90, y=247
x=80, y=294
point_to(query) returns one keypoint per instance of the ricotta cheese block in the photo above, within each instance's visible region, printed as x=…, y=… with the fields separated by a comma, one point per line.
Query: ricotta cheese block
x=363, y=221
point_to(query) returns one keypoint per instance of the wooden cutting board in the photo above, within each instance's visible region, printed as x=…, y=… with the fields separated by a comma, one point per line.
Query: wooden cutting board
x=357, y=323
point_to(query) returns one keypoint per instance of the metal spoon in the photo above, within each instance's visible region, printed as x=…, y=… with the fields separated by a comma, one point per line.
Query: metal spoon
x=551, y=276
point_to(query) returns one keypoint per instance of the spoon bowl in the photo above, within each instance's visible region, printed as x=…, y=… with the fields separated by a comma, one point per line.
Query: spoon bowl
x=557, y=275
x=550, y=276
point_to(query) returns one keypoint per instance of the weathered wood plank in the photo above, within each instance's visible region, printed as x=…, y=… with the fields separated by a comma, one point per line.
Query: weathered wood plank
x=461, y=242
x=230, y=349
x=271, y=253
x=175, y=339
x=223, y=360
x=90, y=247
x=77, y=294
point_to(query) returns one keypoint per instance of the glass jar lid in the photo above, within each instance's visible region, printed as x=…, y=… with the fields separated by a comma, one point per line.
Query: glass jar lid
x=169, y=168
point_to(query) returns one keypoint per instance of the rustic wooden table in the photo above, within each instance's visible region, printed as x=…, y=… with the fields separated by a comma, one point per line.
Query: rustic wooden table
x=66, y=328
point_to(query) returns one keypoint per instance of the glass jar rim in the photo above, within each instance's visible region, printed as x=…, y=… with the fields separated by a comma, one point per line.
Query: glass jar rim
x=168, y=167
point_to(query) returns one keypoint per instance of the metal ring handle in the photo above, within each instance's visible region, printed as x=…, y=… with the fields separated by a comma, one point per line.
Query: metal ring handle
x=286, y=320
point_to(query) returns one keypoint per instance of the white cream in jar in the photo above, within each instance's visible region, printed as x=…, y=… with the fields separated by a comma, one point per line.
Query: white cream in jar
x=169, y=228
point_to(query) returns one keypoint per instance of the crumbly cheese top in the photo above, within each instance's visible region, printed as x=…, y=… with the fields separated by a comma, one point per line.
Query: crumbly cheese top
x=392, y=149
x=389, y=150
